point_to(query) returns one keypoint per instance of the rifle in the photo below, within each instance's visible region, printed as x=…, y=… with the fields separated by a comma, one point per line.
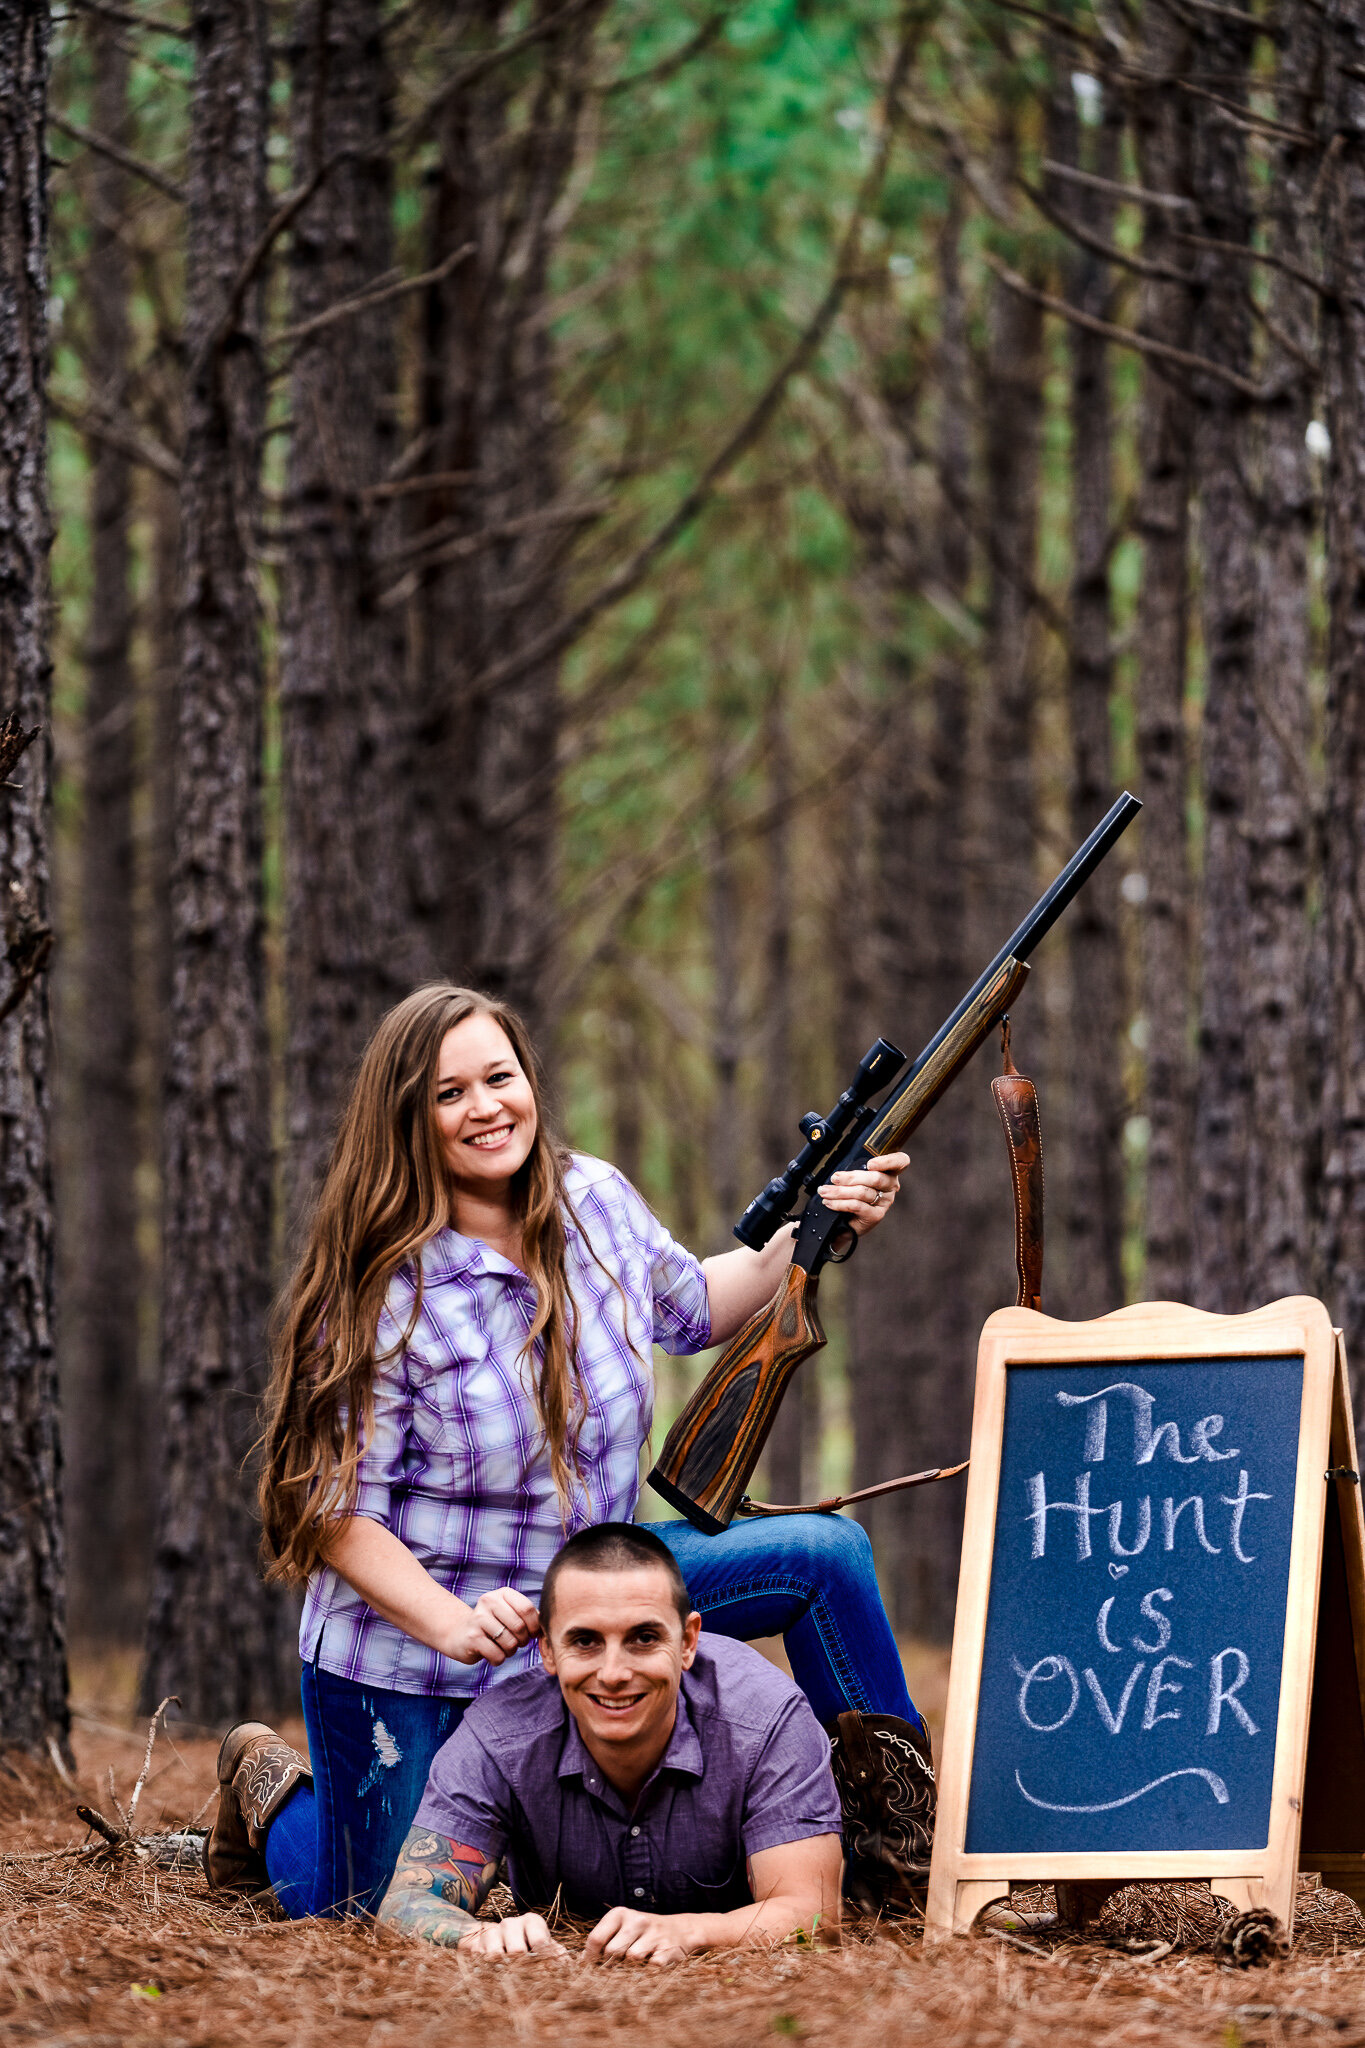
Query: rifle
x=710, y=1453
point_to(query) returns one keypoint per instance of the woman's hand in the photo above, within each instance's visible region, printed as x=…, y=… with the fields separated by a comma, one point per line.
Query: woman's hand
x=497, y=1624
x=865, y=1193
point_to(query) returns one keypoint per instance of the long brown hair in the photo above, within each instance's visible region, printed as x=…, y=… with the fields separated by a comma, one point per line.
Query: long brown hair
x=386, y=1194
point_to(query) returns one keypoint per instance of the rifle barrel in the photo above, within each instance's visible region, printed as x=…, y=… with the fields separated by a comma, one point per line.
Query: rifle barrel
x=1043, y=915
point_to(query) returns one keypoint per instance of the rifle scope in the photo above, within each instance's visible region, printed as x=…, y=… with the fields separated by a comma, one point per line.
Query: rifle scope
x=768, y=1211
x=851, y=1114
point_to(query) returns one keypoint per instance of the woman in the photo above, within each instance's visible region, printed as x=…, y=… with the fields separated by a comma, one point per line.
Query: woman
x=461, y=1379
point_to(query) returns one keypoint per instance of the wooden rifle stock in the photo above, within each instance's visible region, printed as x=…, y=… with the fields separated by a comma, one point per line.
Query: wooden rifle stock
x=711, y=1451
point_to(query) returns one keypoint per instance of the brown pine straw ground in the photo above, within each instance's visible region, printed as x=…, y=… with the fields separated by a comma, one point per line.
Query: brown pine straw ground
x=104, y=1953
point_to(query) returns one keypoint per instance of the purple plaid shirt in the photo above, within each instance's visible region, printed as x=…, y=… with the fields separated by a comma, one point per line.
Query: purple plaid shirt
x=746, y=1769
x=455, y=1465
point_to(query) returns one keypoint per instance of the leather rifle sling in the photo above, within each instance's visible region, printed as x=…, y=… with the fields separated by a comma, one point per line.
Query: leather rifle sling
x=1016, y=1101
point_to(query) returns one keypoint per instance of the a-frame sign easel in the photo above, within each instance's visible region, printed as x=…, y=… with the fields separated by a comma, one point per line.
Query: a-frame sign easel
x=1315, y=1815
x=1332, y=1839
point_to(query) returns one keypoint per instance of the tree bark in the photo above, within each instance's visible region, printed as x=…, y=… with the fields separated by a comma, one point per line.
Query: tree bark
x=1282, y=794
x=1344, y=384
x=1165, y=428
x=1227, y=546
x=482, y=821
x=917, y=1287
x=110, y=1532
x=798, y=1419
x=1091, y=1213
x=343, y=697
x=723, y=907
x=212, y=1634
x=33, y=1705
x=1011, y=412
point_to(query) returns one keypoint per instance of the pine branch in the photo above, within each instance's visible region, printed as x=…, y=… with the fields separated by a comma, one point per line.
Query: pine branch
x=1137, y=195
x=469, y=74
x=632, y=573
x=1249, y=255
x=154, y=24
x=377, y=294
x=282, y=219
x=428, y=551
x=28, y=948
x=122, y=435
x=1125, y=337
x=1141, y=266
x=15, y=741
x=103, y=146
x=655, y=74
x=414, y=486
x=1241, y=117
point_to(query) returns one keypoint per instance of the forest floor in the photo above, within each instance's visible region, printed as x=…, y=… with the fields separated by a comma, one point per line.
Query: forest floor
x=103, y=1953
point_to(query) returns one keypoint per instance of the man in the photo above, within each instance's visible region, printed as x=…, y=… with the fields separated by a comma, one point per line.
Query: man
x=677, y=1791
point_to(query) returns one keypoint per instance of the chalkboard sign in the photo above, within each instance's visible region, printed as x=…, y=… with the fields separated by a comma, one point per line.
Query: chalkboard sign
x=1133, y=1658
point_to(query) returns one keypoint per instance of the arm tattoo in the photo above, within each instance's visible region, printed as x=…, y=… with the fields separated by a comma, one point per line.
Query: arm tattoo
x=437, y=1887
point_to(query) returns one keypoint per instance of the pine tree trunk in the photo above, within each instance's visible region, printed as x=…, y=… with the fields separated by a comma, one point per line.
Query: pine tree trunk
x=482, y=866
x=1280, y=812
x=212, y=1635
x=342, y=681
x=1090, y=1216
x=1344, y=901
x=1011, y=411
x=916, y=1287
x=1165, y=429
x=1227, y=546
x=725, y=1025
x=778, y=1136
x=33, y=1707
x=109, y=1528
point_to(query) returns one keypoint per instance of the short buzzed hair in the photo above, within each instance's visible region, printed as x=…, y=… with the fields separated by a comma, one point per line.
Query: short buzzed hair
x=615, y=1547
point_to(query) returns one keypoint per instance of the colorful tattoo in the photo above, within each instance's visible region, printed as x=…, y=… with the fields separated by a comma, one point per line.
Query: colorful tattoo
x=438, y=1886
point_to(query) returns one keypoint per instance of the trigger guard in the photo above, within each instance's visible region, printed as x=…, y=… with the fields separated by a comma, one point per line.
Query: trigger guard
x=839, y=1258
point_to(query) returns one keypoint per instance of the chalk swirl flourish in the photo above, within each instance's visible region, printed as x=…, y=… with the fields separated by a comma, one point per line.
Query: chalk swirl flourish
x=1211, y=1778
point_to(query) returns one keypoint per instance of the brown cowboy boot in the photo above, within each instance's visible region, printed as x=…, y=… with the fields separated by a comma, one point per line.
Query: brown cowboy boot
x=885, y=1774
x=256, y=1773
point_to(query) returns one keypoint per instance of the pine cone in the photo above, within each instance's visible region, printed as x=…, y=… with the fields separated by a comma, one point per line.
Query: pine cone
x=1251, y=1940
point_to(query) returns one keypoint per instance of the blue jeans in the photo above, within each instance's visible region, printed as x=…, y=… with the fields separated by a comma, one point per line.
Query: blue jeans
x=333, y=1849
x=811, y=1580
x=808, y=1578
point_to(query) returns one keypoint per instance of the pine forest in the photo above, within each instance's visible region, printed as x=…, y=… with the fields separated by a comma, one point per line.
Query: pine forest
x=682, y=517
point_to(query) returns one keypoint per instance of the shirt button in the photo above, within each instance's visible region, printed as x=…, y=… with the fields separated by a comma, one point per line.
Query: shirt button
x=639, y=1891
x=635, y=1831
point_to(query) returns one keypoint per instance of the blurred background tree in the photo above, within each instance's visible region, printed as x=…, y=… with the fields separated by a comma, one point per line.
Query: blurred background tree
x=684, y=517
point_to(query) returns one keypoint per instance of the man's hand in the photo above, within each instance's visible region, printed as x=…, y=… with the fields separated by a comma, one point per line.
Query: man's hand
x=624, y=1935
x=524, y=1935
x=795, y=1886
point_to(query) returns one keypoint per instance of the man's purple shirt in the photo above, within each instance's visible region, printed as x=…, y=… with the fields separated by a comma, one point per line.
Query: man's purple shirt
x=456, y=1464
x=746, y=1769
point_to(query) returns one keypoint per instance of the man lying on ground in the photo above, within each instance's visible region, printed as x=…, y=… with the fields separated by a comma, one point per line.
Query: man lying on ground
x=673, y=1788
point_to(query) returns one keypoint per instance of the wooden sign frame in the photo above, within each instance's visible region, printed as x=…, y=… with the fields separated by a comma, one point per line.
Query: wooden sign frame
x=961, y=1885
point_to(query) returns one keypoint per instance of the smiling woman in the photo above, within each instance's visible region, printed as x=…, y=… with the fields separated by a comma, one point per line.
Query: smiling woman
x=463, y=1378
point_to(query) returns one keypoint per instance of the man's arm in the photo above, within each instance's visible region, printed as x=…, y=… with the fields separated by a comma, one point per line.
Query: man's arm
x=795, y=1887
x=437, y=1888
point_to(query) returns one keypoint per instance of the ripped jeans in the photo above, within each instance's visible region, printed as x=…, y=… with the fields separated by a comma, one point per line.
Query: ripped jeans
x=808, y=1578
